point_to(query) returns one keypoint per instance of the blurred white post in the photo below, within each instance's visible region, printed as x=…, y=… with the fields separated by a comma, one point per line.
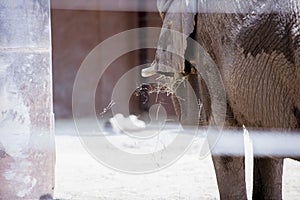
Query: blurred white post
x=26, y=117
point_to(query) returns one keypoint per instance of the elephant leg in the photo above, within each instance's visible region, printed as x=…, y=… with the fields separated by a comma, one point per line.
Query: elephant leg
x=230, y=168
x=230, y=172
x=267, y=178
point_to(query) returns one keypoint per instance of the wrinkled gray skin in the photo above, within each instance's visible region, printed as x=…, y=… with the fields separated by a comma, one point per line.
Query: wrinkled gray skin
x=258, y=56
x=257, y=50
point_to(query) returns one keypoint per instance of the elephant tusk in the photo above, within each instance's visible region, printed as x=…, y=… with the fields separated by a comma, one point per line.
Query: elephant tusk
x=149, y=71
x=154, y=69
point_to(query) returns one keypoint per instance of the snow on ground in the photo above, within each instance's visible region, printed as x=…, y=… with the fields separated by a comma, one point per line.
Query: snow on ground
x=80, y=177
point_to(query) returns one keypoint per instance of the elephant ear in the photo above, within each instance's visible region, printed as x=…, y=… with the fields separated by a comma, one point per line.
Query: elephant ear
x=178, y=23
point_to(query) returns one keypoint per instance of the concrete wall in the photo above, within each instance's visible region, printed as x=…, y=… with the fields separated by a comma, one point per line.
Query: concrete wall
x=26, y=118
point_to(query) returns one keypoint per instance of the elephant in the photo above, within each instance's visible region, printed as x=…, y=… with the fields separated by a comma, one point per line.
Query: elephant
x=255, y=45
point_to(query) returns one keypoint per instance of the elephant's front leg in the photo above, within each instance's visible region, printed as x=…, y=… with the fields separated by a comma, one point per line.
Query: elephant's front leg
x=230, y=172
x=267, y=178
x=229, y=168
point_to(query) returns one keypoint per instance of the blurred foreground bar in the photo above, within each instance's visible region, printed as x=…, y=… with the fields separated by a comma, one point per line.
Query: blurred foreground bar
x=26, y=118
x=263, y=143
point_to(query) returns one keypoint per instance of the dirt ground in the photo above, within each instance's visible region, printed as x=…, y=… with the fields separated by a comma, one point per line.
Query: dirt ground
x=80, y=176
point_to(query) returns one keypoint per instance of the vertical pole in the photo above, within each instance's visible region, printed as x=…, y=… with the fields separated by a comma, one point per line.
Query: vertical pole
x=26, y=113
